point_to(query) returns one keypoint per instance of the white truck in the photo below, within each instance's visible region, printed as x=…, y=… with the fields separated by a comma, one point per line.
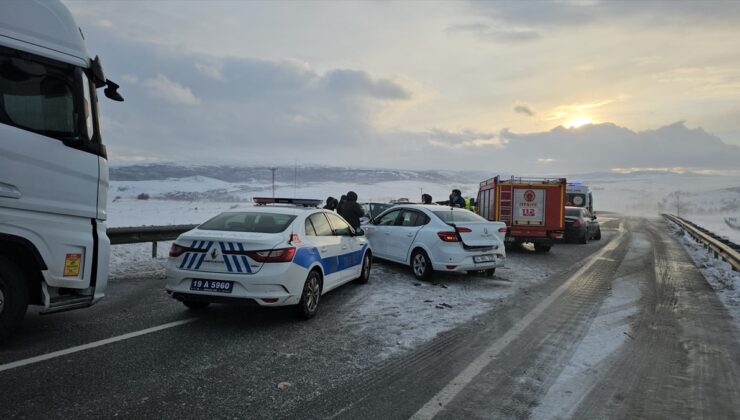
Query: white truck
x=53, y=165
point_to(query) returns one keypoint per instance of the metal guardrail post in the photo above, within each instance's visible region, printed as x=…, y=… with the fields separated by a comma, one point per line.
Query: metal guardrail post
x=153, y=234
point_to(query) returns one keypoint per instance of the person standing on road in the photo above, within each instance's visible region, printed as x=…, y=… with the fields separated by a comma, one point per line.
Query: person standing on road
x=351, y=210
x=426, y=199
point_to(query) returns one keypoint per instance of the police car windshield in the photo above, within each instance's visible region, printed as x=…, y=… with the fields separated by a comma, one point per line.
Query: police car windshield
x=257, y=222
x=456, y=216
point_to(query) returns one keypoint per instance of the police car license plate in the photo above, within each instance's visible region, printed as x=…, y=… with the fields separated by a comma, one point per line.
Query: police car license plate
x=217, y=286
x=484, y=258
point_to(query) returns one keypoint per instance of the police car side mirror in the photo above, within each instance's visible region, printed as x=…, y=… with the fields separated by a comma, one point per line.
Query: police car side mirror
x=359, y=232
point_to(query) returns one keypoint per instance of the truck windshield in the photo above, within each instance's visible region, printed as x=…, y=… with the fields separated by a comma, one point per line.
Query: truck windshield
x=52, y=100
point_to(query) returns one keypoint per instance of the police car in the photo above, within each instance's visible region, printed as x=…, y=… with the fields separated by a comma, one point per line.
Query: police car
x=280, y=252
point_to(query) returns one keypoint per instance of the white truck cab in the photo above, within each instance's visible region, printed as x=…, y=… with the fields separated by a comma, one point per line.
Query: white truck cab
x=579, y=195
x=53, y=165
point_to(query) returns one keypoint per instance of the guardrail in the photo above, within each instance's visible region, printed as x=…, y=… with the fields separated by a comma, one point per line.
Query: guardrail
x=721, y=247
x=133, y=235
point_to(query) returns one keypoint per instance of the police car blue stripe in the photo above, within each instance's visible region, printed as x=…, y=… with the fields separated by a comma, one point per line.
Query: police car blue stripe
x=226, y=257
x=192, y=260
x=305, y=257
x=203, y=257
x=236, y=263
x=244, y=258
x=185, y=259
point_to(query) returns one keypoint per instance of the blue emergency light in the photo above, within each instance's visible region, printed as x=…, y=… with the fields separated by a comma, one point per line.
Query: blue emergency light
x=305, y=202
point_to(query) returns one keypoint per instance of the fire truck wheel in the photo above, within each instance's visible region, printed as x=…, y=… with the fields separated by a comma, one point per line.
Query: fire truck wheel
x=13, y=297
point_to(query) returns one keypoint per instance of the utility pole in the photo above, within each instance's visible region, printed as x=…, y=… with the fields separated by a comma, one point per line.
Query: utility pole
x=273, y=169
x=678, y=203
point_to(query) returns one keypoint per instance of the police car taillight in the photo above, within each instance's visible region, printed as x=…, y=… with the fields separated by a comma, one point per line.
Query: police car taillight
x=273, y=255
x=177, y=250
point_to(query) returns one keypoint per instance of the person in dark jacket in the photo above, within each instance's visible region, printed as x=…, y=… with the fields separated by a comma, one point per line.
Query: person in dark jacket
x=456, y=199
x=331, y=204
x=342, y=200
x=351, y=210
x=426, y=199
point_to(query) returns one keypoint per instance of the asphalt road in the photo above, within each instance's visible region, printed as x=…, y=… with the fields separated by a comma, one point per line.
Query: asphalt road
x=545, y=350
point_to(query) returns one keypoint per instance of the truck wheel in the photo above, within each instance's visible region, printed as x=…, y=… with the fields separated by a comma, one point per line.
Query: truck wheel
x=13, y=297
x=542, y=247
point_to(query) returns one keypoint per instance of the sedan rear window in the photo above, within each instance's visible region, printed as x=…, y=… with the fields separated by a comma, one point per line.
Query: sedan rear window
x=573, y=212
x=455, y=216
x=249, y=222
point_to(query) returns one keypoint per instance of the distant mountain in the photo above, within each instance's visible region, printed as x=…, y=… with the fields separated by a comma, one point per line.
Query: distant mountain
x=287, y=174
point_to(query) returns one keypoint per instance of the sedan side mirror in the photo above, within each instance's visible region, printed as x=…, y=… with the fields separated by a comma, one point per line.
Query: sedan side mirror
x=359, y=232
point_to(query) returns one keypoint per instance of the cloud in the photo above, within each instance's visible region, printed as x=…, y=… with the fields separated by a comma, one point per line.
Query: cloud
x=466, y=139
x=524, y=109
x=496, y=32
x=172, y=92
x=573, y=13
x=210, y=71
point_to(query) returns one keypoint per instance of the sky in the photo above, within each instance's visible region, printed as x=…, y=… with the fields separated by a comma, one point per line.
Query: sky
x=536, y=87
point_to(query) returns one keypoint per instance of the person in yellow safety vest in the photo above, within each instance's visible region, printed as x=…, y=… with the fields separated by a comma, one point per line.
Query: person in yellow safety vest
x=467, y=203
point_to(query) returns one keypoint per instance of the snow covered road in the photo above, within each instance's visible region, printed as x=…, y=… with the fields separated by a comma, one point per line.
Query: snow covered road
x=385, y=349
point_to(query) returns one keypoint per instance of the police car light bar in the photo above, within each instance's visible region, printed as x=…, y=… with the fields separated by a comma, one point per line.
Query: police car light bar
x=305, y=202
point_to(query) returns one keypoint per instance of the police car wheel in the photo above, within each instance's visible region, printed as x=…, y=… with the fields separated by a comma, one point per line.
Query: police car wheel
x=420, y=265
x=366, y=265
x=13, y=297
x=309, y=303
x=195, y=304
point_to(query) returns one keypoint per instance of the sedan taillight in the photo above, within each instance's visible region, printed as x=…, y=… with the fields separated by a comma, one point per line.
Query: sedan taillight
x=177, y=250
x=576, y=223
x=449, y=236
x=273, y=255
x=503, y=229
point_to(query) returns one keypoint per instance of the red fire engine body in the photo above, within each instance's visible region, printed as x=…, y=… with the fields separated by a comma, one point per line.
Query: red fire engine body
x=532, y=208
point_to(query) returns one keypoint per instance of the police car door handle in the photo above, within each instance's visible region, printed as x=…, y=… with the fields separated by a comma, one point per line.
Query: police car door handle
x=323, y=249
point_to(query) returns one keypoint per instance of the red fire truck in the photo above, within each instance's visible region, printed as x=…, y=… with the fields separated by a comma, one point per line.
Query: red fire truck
x=532, y=208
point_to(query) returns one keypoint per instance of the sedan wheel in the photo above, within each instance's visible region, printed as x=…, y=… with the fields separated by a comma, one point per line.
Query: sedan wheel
x=309, y=303
x=365, y=273
x=420, y=265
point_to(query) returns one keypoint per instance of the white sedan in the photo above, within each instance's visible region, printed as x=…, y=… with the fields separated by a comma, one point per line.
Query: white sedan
x=288, y=253
x=437, y=238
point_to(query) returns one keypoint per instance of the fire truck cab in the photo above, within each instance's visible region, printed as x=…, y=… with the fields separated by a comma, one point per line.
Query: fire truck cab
x=532, y=208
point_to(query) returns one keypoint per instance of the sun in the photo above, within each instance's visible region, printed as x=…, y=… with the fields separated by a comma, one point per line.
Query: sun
x=577, y=122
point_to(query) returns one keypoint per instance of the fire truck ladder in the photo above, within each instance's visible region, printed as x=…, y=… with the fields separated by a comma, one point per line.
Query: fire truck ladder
x=506, y=212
